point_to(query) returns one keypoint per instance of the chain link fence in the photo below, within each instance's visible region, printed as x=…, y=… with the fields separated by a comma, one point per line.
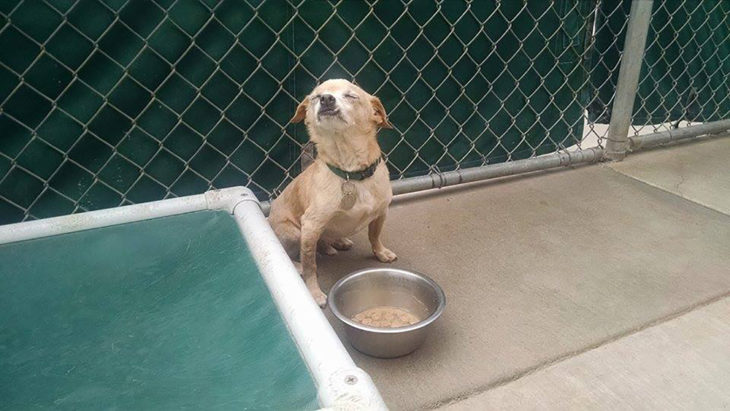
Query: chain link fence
x=111, y=102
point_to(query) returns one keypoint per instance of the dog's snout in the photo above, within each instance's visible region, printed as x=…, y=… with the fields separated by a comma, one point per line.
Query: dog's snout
x=327, y=100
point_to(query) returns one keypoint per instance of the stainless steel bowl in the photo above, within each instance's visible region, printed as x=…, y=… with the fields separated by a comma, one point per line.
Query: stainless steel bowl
x=374, y=287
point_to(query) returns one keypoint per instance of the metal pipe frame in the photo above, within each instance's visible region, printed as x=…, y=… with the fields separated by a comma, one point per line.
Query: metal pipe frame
x=628, y=79
x=669, y=136
x=545, y=162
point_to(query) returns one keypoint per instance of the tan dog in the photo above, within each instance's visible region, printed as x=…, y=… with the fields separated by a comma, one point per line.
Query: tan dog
x=346, y=188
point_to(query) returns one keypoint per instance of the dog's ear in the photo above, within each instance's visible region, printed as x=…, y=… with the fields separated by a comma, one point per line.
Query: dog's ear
x=301, y=112
x=381, y=118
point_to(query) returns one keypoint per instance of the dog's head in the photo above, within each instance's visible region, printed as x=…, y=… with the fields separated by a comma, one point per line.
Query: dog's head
x=338, y=105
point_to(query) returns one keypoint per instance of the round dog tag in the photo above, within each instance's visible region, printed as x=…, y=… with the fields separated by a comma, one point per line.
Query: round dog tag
x=349, y=195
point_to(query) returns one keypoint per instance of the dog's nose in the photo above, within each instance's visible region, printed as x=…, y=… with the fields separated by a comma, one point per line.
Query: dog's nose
x=327, y=100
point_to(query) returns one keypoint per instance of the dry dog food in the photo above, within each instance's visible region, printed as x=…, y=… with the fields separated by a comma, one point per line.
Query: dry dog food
x=385, y=317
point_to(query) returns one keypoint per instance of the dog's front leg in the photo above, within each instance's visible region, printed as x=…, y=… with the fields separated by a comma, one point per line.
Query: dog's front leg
x=381, y=252
x=312, y=229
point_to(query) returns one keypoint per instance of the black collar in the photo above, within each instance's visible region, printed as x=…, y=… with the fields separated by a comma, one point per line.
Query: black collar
x=356, y=175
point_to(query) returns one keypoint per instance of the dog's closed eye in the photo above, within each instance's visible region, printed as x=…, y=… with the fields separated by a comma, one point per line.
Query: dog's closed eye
x=351, y=96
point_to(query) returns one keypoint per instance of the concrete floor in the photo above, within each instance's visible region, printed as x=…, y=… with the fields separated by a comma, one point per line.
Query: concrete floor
x=698, y=173
x=556, y=280
x=678, y=364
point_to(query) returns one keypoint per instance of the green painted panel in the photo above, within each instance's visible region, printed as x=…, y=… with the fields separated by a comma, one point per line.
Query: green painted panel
x=169, y=313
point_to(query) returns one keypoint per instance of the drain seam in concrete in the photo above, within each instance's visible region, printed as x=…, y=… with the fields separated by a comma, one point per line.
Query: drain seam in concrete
x=564, y=357
x=695, y=202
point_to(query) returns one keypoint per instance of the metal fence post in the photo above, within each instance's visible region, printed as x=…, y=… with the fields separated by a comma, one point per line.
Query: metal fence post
x=628, y=79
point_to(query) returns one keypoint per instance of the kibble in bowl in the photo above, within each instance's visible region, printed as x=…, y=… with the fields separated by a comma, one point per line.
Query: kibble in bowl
x=386, y=317
x=386, y=312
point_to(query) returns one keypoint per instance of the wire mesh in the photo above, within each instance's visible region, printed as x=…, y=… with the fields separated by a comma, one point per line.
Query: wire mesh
x=111, y=102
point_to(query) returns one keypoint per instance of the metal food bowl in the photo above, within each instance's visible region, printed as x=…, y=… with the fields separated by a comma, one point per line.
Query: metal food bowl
x=375, y=287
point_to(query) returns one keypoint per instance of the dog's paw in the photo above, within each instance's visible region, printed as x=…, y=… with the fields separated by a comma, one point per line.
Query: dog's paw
x=326, y=249
x=385, y=256
x=343, y=244
x=319, y=297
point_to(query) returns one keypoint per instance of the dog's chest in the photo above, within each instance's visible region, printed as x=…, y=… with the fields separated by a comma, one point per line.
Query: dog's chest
x=372, y=199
